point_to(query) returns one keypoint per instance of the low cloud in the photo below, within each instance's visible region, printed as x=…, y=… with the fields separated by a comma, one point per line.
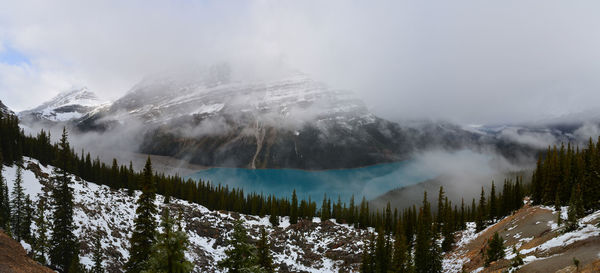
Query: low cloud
x=536, y=139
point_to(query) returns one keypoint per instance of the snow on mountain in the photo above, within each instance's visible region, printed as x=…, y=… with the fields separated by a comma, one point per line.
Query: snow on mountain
x=4, y=109
x=304, y=247
x=292, y=99
x=543, y=245
x=289, y=122
x=66, y=106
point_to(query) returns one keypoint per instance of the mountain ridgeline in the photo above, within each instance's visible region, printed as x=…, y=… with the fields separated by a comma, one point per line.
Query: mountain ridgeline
x=291, y=122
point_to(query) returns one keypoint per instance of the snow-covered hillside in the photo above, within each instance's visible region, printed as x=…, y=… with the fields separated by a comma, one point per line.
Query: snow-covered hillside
x=66, y=106
x=305, y=247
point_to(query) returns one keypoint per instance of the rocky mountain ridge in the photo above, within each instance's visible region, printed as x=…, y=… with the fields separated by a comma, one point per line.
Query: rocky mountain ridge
x=290, y=122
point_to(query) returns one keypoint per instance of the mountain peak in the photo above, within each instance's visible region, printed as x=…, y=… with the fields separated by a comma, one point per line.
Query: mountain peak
x=67, y=105
x=4, y=109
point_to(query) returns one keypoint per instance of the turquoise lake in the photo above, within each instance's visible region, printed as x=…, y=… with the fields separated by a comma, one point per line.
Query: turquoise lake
x=369, y=182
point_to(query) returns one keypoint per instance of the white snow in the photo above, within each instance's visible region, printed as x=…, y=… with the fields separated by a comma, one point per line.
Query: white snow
x=112, y=212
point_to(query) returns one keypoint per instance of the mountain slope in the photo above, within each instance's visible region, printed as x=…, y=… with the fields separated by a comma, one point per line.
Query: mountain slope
x=539, y=240
x=291, y=122
x=14, y=259
x=304, y=247
x=66, y=106
x=4, y=109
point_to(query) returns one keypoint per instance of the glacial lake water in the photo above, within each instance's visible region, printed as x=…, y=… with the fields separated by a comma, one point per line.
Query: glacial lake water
x=369, y=182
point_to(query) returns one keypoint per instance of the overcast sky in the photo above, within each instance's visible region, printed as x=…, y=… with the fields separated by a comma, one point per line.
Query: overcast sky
x=464, y=61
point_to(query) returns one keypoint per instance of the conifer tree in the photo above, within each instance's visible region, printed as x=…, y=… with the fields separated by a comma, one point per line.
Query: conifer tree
x=382, y=256
x=264, y=258
x=480, y=220
x=40, y=244
x=274, y=217
x=143, y=237
x=435, y=255
x=325, y=209
x=5, y=220
x=518, y=259
x=462, y=219
x=18, y=210
x=558, y=209
x=97, y=254
x=426, y=256
x=368, y=259
x=241, y=256
x=401, y=260
x=493, y=211
x=27, y=220
x=294, y=209
x=168, y=253
x=575, y=210
x=64, y=251
x=440, y=211
x=387, y=223
x=448, y=228
x=495, y=249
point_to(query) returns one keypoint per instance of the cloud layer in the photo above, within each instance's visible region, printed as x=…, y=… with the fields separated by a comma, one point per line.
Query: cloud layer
x=466, y=61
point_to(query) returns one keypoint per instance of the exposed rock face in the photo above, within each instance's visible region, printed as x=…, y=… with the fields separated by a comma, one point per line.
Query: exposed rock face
x=4, y=109
x=293, y=122
x=14, y=259
x=67, y=106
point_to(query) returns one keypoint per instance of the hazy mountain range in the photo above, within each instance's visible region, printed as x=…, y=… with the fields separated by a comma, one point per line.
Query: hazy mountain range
x=289, y=122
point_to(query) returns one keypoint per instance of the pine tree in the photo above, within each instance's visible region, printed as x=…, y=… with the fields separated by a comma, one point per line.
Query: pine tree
x=388, y=218
x=264, y=258
x=40, y=245
x=575, y=210
x=18, y=210
x=143, y=237
x=64, y=251
x=5, y=220
x=518, y=259
x=294, y=209
x=448, y=228
x=75, y=266
x=401, y=260
x=27, y=220
x=97, y=254
x=426, y=256
x=493, y=211
x=495, y=249
x=274, y=217
x=382, y=256
x=241, y=256
x=462, y=219
x=558, y=209
x=368, y=259
x=480, y=220
x=440, y=211
x=325, y=209
x=168, y=253
x=435, y=255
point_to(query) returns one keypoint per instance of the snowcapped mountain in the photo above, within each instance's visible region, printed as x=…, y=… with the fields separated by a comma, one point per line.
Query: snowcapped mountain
x=4, y=109
x=304, y=247
x=289, y=122
x=289, y=101
x=66, y=106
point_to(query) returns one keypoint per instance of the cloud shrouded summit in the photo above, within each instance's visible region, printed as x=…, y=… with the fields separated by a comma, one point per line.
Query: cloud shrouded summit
x=466, y=61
